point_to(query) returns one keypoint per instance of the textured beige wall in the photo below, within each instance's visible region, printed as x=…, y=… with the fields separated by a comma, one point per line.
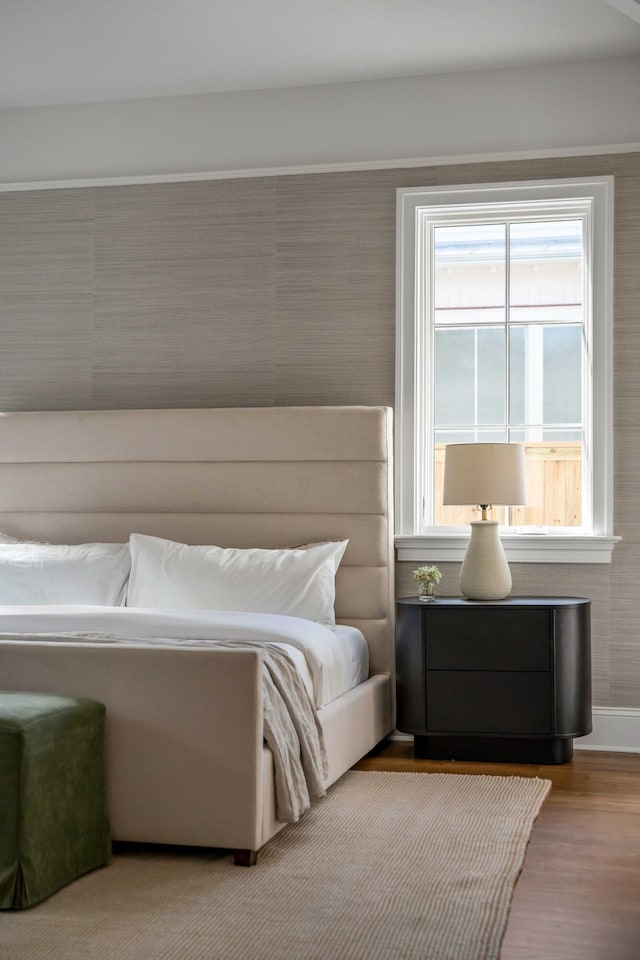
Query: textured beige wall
x=281, y=290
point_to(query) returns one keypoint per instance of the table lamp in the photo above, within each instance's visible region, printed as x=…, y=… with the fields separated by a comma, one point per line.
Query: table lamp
x=484, y=474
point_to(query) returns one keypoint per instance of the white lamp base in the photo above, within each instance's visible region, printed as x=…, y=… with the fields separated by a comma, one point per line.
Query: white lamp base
x=485, y=573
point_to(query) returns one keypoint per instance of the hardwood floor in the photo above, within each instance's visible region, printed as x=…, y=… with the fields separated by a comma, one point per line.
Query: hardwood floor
x=578, y=897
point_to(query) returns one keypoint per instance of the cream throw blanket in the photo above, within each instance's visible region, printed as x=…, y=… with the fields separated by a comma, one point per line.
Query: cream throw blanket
x=291, y=727
x=293, y=733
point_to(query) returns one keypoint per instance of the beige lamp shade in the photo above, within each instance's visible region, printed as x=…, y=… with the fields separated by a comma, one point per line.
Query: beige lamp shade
x=484, y=473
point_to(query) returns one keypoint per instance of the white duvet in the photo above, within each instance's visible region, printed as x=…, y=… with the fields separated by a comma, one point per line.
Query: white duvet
x=330, y=660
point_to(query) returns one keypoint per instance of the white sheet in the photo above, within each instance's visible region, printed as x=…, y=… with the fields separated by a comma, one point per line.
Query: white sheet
x=330, y=661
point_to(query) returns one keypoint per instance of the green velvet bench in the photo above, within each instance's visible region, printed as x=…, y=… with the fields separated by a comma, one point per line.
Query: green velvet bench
x=53, y=825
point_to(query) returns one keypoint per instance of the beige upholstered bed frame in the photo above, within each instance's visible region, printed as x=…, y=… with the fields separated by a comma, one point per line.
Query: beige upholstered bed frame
x=186, y=761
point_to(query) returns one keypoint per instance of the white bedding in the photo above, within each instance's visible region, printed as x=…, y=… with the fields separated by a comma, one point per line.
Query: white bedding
x=330, y=661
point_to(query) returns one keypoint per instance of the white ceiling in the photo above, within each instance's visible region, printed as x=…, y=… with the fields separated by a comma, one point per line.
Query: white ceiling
x=79, y=51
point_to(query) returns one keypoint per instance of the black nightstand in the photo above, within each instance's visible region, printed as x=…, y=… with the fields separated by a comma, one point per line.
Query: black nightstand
x=504, y=680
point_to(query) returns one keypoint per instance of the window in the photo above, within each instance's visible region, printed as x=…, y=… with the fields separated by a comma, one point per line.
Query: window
x=505, y=334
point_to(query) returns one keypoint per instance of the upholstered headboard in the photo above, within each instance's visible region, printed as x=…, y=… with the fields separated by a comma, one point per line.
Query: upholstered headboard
x=263, y=477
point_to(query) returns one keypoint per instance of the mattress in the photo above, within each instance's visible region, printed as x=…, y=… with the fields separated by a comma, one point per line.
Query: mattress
x=330, y=660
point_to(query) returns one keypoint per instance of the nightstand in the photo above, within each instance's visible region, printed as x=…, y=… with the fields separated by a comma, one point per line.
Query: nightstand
x=505, y=680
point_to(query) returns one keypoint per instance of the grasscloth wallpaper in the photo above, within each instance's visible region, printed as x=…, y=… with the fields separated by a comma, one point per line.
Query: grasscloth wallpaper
x=280, y=290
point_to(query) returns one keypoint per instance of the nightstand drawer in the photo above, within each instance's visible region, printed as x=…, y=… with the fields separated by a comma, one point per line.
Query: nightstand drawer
x=487, y=639
x=488, y=703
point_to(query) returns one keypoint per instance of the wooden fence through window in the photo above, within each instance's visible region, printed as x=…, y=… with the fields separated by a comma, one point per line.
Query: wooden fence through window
x=554, y=489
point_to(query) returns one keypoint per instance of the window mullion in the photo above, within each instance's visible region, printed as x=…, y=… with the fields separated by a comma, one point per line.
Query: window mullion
x=507, y=321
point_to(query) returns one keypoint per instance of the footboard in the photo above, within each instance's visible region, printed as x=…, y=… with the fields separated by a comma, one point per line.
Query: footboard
x=184, y=740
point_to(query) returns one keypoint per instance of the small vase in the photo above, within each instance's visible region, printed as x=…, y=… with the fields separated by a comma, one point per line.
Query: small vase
x=426, y=591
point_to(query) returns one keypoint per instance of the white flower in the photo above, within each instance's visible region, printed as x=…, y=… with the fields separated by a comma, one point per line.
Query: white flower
x=427, y=575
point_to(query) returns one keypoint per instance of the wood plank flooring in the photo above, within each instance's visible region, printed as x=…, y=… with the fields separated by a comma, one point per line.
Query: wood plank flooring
x=578, y=897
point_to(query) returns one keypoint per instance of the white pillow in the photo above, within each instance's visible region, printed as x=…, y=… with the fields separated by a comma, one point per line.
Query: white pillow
x=298, y=582
x=91, y=573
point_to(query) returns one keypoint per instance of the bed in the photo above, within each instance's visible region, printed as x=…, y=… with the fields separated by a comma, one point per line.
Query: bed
x=187, y=761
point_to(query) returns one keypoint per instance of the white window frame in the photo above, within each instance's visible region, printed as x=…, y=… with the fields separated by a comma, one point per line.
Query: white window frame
x=413, y=396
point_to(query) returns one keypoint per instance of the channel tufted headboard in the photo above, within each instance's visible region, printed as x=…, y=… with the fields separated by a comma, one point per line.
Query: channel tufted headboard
x=262, y=477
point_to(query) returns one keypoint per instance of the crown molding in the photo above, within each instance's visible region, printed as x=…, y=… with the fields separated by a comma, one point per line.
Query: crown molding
x=308, y=169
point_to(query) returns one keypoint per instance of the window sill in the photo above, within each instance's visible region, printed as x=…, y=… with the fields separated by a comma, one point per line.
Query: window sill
x=519, y=548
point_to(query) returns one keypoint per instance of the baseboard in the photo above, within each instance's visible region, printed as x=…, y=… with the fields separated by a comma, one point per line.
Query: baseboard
x=614, y=728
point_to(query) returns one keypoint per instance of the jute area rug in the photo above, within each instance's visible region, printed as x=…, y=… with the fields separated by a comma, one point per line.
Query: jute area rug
x=389, y=866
